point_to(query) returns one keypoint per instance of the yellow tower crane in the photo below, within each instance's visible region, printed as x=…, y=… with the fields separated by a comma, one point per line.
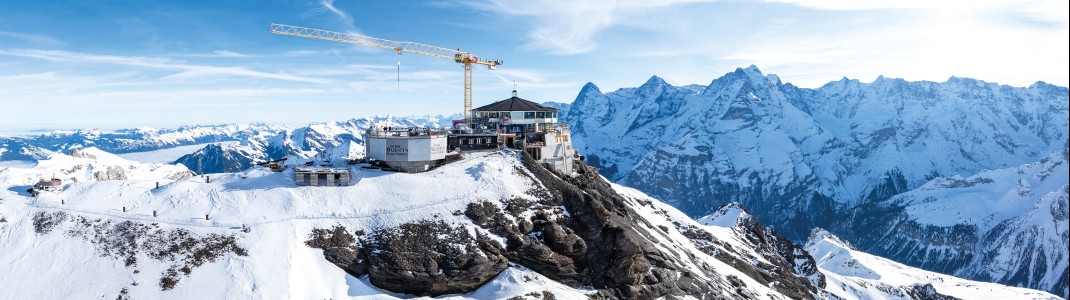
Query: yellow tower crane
x=468, y=59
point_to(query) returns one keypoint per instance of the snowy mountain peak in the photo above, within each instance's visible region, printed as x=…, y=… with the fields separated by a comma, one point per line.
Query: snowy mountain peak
x=655, y=87
x=820, y=235
x=729, y=215
x=755, y=75
x=653, y=82
x=590, y=88
x=749, y=80
x=751, y=69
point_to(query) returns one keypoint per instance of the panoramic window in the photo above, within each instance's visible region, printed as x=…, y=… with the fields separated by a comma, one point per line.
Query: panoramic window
x=540, y=115
x=529, y=115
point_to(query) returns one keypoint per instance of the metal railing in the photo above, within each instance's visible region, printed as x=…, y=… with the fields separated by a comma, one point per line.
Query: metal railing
x=405, y=132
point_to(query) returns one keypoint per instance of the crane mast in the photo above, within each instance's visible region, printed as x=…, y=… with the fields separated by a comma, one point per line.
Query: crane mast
x=462, y=57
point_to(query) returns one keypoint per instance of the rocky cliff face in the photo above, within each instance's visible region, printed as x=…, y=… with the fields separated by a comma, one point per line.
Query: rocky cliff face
x=802, y=158
x=582, y=232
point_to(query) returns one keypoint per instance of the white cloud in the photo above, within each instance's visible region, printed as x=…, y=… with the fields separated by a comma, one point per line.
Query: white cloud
x=528, y=80
x=806, y=42
x=567, y=28
x=34, y=38
x=228, y=53
x=329, y=5
x=345, y=18
x=992, y=41
x=187, y=70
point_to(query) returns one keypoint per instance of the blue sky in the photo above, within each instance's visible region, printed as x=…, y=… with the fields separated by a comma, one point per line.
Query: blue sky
x=114, y=64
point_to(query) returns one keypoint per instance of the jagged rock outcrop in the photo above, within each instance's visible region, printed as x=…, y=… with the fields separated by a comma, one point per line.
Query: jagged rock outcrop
x=619, y=259
x=768, y=257
x=432, y=259
x=111, y=173
x=425, y=258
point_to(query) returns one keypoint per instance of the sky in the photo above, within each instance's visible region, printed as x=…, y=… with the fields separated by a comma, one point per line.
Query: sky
x=121, y=64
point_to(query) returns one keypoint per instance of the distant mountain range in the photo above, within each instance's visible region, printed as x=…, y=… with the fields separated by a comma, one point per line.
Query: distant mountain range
x=255, y=142
x=837, y=156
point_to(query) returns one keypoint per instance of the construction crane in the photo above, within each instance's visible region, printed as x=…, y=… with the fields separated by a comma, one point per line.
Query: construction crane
x=465, y=58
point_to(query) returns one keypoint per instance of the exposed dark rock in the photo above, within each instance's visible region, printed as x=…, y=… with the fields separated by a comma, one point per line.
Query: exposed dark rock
x=426, y=258
x=618, y=257
x=562, y=240
x=126, y=240
x=927, y=292
x=340, y=248
x=430, y=258
x=791, y=267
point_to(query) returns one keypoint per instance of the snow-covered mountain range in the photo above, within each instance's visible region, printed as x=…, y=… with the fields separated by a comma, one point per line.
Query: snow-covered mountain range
x=961, y=177
x=228, y=148
x=498, y=225
x=835, y=156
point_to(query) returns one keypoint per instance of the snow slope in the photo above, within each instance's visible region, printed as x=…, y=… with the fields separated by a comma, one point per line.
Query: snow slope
x=1006, y=225
x=853, y=274
x=278, y=216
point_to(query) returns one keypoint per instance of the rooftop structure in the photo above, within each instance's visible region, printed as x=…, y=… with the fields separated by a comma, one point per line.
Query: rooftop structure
x=47, y=185
x=514, y=115
x=321, y=176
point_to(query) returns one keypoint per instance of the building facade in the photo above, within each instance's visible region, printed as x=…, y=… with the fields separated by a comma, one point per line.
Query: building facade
x=529, y=126
x=406, y=149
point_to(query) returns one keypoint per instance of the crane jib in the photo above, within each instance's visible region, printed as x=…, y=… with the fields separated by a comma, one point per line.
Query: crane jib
x=468, y=59
x=352, y=38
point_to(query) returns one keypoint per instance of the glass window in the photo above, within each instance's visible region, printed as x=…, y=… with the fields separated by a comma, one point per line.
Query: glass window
x=529, y=115
x=540, y=115
x=493, y=115
x=551, y=114
x=505, y=115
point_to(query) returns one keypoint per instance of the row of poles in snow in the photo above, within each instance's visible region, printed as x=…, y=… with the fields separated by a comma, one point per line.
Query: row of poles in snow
x=207, y=179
